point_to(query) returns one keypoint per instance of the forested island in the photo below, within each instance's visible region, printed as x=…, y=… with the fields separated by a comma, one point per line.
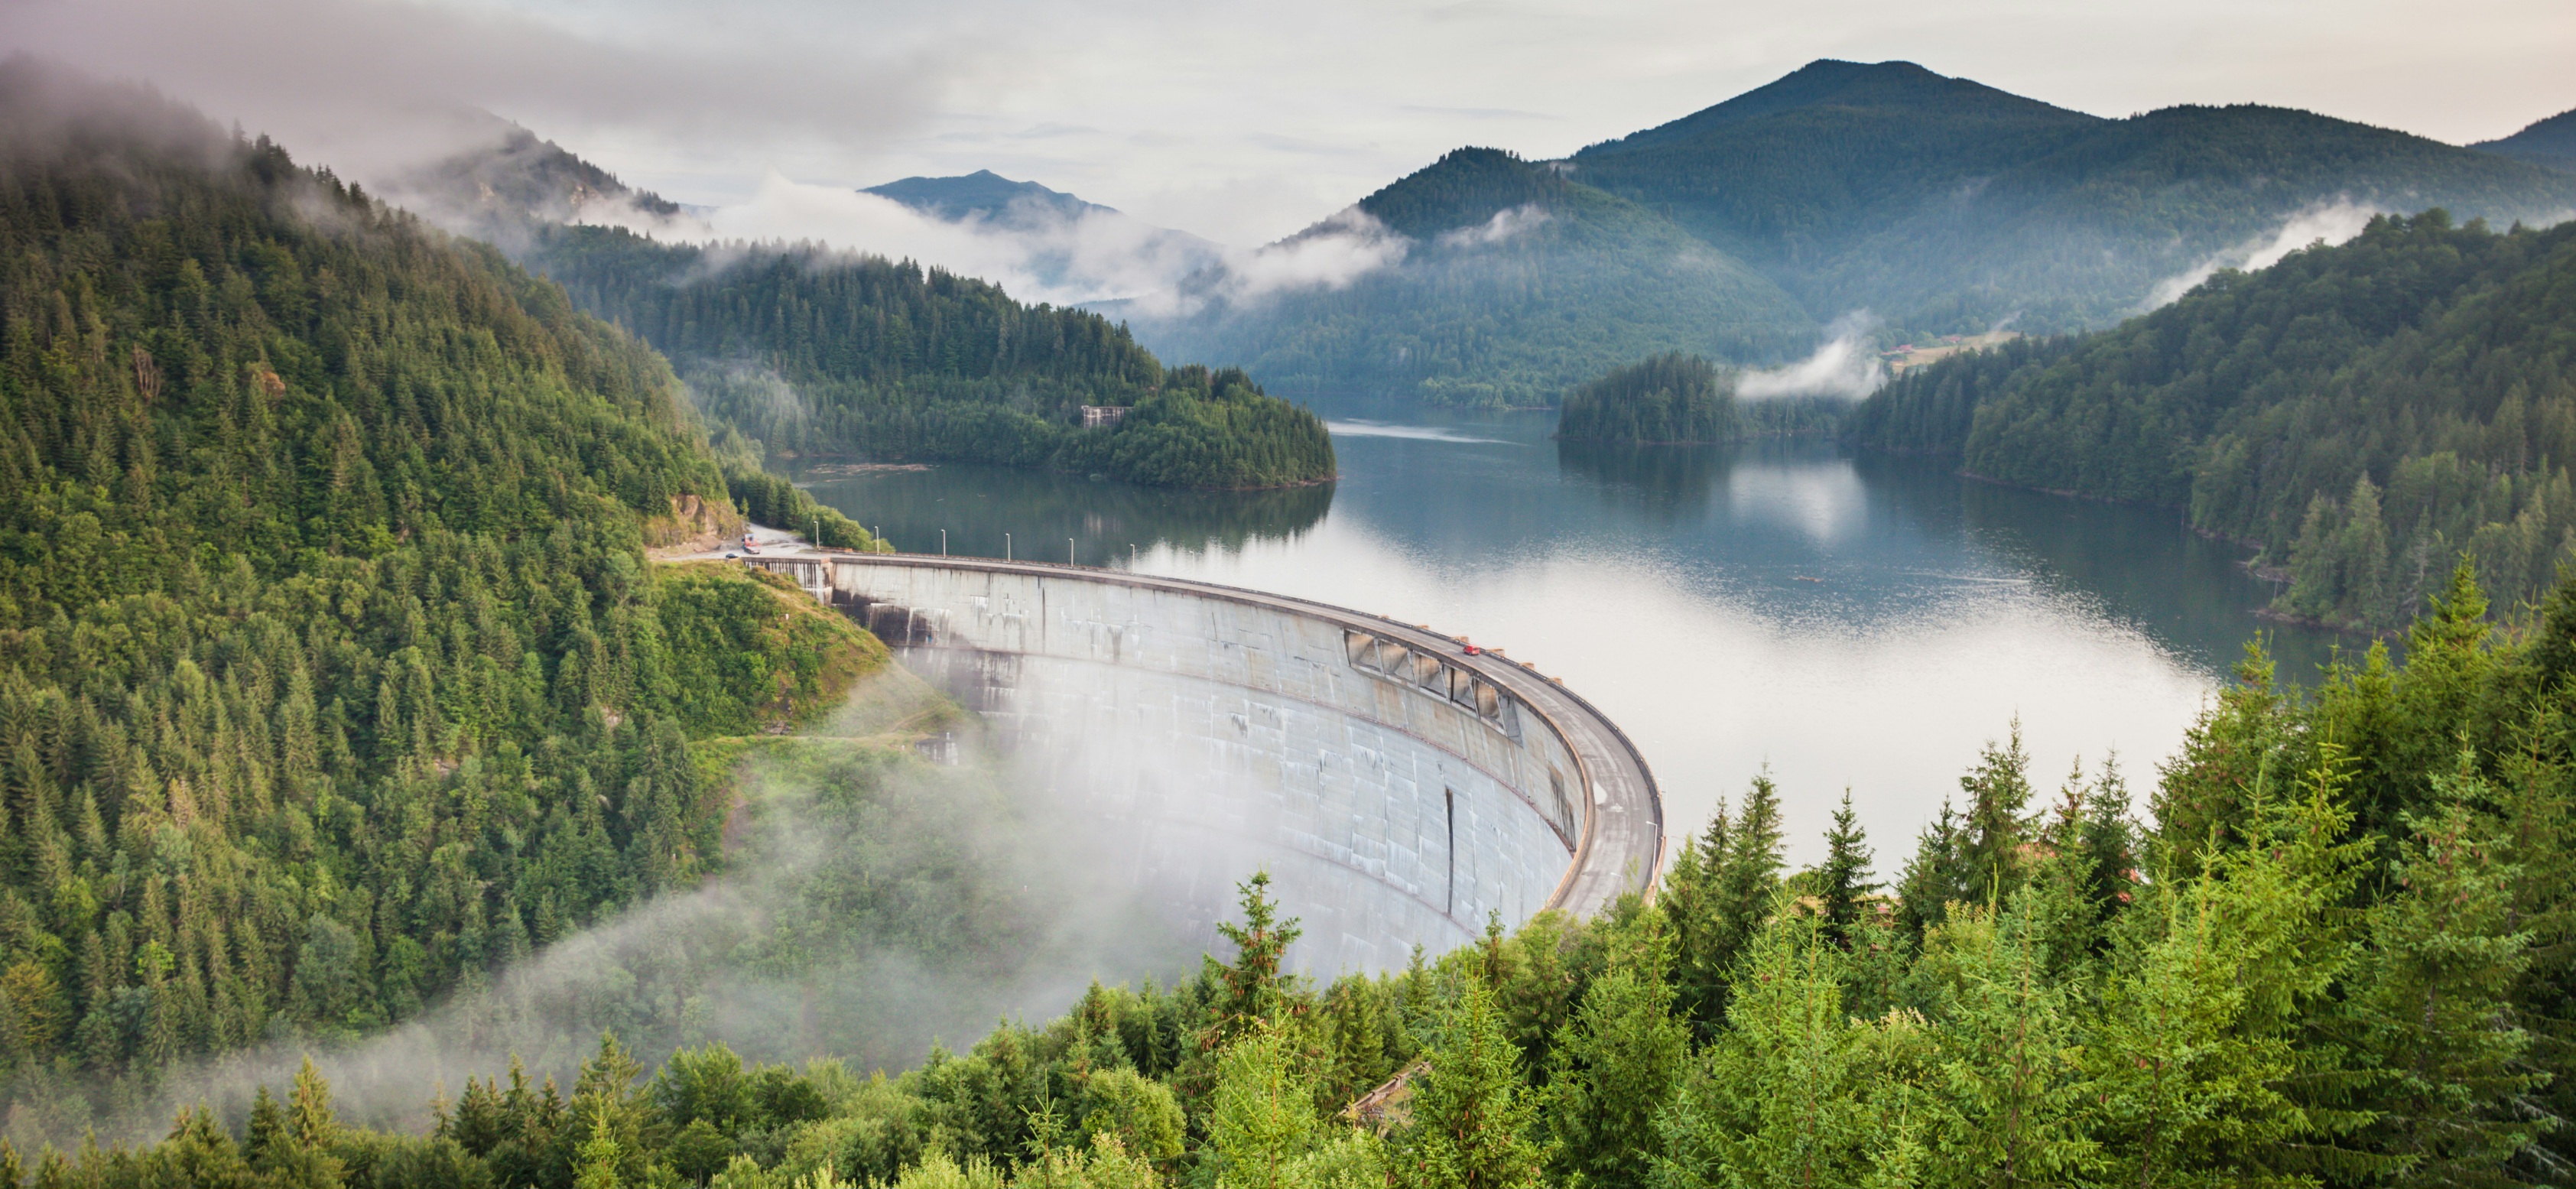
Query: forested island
x=2361, y=414
x=1667, y=399
x=1677, y=399
x=821, y=352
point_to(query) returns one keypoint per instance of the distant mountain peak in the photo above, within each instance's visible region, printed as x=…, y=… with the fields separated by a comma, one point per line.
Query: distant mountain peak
x=1464, y=188
x=516, y=180
x=1832, y=82
x=2550, y=142
x=983, y=193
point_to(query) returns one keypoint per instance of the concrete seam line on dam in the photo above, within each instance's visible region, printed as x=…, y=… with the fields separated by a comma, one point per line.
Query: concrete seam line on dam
x=1619, y=845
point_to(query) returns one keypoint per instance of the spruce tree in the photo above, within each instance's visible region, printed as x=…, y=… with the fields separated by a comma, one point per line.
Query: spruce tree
x=1471, y=1115
x=1932, y=881
x=1254, y=987
x=1262, y=1116
x=1843, y=885
x=2004, y=1094
x=1615, y=1065
x=1786, y=1095
x=2536, y=824
x=2434, y=996
x=2205, y=794
x=601, y=1154
x=1689, y=897
x=1729, y=888
x=2197, y=1046
x=1994, y=830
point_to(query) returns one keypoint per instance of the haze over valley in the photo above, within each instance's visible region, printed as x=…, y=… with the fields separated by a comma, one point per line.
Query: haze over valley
x=1477, y=596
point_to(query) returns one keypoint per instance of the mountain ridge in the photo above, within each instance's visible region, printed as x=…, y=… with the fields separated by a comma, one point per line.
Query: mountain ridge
x=2549, y=142
x=1496, y=282
x=982, y=193
x=1944, y=205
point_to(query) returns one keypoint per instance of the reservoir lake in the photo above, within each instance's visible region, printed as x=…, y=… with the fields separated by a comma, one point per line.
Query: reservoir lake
x=1843, y=619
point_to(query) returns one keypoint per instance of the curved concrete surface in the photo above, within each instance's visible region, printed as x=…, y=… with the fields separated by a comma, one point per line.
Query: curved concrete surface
x=1399, y=788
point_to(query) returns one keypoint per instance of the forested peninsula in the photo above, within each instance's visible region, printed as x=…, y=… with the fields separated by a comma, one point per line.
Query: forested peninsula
x=815, y=351
x=333, y=674
x=2362, y=414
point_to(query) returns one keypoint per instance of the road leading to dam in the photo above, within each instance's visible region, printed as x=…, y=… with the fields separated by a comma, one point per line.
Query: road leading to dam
x=1402, y=788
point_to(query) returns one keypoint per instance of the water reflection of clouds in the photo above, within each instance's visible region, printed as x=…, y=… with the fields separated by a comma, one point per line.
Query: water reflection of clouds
x=1718, y=675
x=1420, y=433
x=1824, y=501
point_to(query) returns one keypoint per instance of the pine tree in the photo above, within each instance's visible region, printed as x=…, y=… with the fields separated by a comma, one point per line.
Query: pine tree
x=1471, y=1116
x=1254, y=987
x=2435, y=991
x=1262, y=1116
x=1786, y=1095
x=1616, y=1064
x=1688, y=895
x=1843, y=885
x=1991, y=843
x=601, y=1154
x=2005, y=1097
x=1933, y=879
x=1733, y=882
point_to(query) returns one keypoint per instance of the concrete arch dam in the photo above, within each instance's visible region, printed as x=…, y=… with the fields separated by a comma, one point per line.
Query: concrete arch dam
x=1397, y=788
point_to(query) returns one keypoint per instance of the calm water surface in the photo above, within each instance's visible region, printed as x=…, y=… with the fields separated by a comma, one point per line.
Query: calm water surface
x=1847, y=620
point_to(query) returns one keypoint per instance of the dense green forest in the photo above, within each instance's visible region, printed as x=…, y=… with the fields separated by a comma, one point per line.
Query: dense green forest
x=1943, y=205
x=1663, y=399
x=813, y=351
x=1682, y=399
x=2550, y=143
x=1513, y=283
x=2361, y=413
x=332, y=671
x=2342, y=954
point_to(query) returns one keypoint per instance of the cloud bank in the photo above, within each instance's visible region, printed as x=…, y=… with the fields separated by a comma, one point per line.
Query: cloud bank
x=1846, y=366
x=2327, y=223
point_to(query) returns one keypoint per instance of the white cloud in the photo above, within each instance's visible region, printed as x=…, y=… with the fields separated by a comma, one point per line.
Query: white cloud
x=1336, y=252
x=2328, y=223
x=1037, y=254
x=1506, y=224
x=1239, y=122
x=1846, y=366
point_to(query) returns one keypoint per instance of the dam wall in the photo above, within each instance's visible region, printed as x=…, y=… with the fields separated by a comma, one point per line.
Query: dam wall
x=1399, y=788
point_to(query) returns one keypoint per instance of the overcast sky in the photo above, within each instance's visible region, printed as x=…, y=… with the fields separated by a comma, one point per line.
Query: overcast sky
x=1238, y=121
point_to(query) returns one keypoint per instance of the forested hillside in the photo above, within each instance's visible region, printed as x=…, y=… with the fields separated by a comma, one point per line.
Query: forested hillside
x=2361, y=413
x=2340, y=952
x=812, y=350
x=1944, y=206
x=332, y=673
x=2550, y=142
x=1509, y=284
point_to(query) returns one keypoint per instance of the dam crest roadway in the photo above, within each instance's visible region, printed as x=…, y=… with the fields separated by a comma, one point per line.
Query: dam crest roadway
x=1399, y=787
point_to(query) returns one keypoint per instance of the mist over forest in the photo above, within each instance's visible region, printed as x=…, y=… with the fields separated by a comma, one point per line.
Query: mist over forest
x=423, y=762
